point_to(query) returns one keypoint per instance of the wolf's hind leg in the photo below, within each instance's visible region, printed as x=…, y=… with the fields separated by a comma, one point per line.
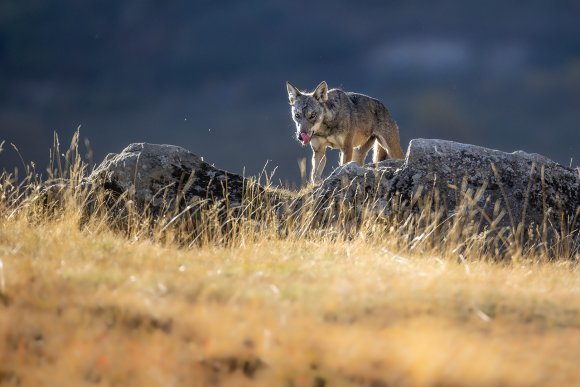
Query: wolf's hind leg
x=360, y=153
x=346, y=154
x=379, y=153
x=391, y=143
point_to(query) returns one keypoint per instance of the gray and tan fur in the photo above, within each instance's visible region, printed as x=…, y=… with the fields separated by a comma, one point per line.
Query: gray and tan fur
x=342, y=120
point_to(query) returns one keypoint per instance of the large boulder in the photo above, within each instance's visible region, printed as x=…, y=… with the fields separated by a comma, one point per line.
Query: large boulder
x=163, y=177
x=505, y=189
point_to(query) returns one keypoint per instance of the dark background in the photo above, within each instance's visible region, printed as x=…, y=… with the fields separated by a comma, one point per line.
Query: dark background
x=209, y=75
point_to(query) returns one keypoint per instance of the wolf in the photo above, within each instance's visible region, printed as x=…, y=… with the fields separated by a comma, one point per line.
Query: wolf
x=351, y=122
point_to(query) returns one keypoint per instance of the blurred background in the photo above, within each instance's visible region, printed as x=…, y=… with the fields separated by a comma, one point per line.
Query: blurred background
x=210, y=75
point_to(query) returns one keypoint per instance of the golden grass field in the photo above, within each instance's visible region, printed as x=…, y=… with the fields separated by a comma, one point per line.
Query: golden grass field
x=88, y=306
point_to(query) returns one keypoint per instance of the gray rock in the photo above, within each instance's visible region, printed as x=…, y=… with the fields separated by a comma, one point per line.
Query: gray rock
x=505, y=189
x=162, y=177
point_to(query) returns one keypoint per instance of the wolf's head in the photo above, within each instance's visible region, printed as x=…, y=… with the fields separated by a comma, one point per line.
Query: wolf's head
x=307, y=110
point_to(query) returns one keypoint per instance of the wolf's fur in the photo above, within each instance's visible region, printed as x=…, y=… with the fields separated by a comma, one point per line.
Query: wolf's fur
x=343, y=120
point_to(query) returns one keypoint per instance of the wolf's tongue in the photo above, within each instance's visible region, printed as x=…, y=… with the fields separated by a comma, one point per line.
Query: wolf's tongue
x=305, y=137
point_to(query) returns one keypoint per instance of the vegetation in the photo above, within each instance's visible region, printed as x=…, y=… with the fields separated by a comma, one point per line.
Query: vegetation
x=406, y=301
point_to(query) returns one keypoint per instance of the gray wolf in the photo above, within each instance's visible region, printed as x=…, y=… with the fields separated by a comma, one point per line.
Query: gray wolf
x=342, y=120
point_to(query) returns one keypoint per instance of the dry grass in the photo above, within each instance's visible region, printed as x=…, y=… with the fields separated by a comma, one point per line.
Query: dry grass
x=386, y=306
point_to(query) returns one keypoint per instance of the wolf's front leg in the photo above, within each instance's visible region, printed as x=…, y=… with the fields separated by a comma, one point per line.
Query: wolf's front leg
x=318, y=163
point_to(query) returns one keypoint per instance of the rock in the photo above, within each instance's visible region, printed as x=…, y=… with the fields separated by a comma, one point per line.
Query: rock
x=529, y=189
x=168, y=185
x=160, y=177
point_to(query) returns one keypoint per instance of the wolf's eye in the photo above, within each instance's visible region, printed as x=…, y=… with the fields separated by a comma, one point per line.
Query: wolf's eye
x=313, y=115
x=297, y=115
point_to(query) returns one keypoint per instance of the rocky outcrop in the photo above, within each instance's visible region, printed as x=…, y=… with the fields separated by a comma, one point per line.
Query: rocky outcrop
x=167, y=177
x=504, y=189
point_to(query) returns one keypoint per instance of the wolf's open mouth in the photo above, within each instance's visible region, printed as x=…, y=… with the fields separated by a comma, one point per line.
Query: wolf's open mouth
x=304, y=137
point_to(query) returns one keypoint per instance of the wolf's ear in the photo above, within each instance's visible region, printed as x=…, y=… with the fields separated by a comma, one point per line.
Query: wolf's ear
x=293, y=93
x=321, y=92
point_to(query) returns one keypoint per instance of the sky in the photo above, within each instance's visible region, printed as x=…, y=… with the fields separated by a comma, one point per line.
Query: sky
x=210, y=76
